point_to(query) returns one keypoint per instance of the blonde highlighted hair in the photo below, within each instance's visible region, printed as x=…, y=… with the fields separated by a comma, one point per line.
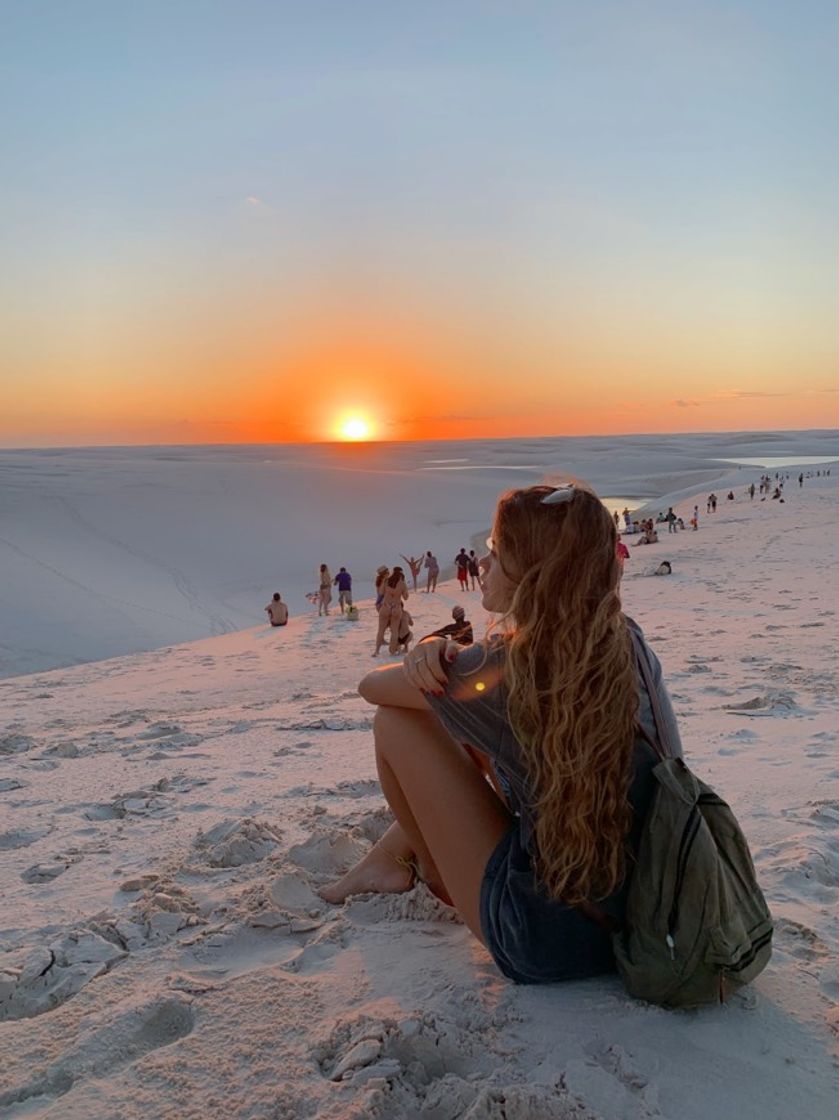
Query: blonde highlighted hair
x=573, y=691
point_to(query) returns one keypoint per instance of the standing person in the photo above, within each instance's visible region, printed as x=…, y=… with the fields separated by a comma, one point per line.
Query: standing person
x=382, y=574
x=394, y=594
x=671, y=520
x=324, y=590
x=461, y=563
x=752, y=491
x=627, y=517
x=800, y=481
x=433, y=568
x=695, y=519
x=623, y=554
x=344, y=582
x=277, y=611
x=554, y=725
x=474, y=570
x=415, y=564
x=617, y=519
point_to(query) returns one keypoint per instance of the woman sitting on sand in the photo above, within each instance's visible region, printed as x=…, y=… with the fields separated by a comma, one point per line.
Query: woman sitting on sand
x=548, y=708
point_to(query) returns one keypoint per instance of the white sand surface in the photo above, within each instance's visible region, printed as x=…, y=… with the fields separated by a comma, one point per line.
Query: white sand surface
x=107, y=551
x=167, y=817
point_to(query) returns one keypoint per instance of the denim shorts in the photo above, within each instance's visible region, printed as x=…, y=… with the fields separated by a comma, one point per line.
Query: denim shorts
x=532, y=939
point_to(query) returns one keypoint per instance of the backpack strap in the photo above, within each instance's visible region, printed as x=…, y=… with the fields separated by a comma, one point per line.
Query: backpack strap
x=663, y=747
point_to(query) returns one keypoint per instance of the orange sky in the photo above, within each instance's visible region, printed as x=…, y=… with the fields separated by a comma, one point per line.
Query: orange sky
x=411, y=374
x=459, y=227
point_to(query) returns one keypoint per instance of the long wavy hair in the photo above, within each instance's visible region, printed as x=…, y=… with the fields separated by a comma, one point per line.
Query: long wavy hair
x=572, y=685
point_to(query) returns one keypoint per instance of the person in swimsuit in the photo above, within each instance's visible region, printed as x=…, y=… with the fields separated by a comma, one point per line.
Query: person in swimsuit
x=552, y=709
x=394, y=593
x=415, y=564
x=433, y=569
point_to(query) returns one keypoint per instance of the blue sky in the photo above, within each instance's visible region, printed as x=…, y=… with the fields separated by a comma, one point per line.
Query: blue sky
x=588, y=179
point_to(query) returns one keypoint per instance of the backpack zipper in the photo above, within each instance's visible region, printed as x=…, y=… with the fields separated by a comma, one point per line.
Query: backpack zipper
x=685, y=845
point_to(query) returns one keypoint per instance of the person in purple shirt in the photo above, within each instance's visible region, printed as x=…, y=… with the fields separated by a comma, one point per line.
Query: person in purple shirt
x=344, y=584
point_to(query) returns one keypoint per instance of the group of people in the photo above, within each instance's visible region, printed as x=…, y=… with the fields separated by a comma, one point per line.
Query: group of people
x=395, y=620
x=323, y=596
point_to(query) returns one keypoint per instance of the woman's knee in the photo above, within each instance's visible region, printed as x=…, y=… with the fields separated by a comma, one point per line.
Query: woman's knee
x=391, y=725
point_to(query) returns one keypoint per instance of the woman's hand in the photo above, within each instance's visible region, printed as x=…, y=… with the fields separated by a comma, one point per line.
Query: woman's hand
x=423, y=666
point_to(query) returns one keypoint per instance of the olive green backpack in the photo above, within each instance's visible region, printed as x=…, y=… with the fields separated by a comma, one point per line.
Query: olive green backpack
x=697, y=925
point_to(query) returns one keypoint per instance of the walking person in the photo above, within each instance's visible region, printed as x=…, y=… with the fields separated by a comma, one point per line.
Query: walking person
x=324, y=590
x=394, y=594
x=344, y=582
x=433, y=569
x=549, y=710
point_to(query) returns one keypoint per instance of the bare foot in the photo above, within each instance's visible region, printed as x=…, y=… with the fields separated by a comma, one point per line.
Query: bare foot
x=379, y=872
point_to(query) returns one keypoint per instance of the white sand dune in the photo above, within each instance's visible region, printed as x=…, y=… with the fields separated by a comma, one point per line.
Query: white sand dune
x=107, y=551
x=168, y=816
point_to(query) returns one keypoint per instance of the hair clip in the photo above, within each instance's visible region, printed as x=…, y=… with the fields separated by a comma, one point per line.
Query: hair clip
x=562, y=494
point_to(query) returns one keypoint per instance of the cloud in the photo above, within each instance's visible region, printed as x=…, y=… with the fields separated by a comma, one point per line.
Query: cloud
x=688, y=404
x=255, y=205
x=742, y=394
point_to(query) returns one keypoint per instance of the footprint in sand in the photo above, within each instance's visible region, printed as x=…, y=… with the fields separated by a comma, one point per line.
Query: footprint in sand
x=8, y=784
x=232, y=843
x=16, y=743
x=107, y=1047
x=52, y=974
x=22, y=837
x=771, y=703
x=46, y=872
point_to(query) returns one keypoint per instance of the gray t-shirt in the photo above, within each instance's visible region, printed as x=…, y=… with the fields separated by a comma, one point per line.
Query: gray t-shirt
x=474, y=711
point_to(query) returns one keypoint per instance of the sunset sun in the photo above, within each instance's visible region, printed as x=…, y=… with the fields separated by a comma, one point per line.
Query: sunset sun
x=354, y=428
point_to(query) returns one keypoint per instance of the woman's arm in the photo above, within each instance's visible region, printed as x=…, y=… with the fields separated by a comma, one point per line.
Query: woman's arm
x=390, y=687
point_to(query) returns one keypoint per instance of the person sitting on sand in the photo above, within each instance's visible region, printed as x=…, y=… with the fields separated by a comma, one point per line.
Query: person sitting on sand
x=406, y=634
x=277, y=611
x=433, y=569
x=549, y=709
x=415, y=564
x=394, y=593
x=459, y=631
x=664, y=569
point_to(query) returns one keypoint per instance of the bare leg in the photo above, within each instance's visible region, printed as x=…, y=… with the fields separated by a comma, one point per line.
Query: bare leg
x=447, y=814
x=380, y=633
x=395, y=621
